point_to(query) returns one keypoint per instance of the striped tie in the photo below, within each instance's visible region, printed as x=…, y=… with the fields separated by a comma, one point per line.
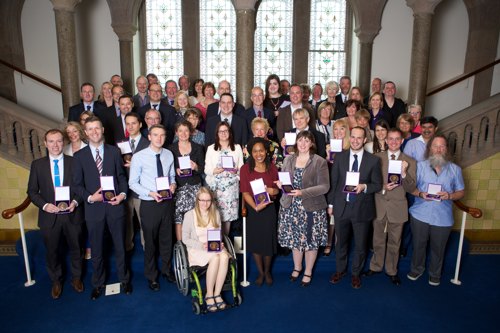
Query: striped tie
x=98, y=161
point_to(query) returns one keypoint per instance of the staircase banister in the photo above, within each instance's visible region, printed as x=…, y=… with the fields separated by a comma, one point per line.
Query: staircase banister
x=31, y=75
x=10, y=212
x=474, y=212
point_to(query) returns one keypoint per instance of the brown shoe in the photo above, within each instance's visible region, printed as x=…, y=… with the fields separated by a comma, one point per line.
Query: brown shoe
x=335, y=278
x=356, y=282
x=77, y=285
x=56, y=290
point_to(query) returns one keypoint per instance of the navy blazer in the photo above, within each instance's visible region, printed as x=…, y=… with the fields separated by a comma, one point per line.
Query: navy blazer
x=249, y=115
x=339, y=107
x=86, y=180
x=213, y=110
x=168, y=119
x=238, y=125
x=370, y=173
x=76, y=110
x=41, y=190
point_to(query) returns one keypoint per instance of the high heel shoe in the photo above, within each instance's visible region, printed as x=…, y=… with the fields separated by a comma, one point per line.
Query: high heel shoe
x=306, y=284
x=294, y=278
x=327, y=251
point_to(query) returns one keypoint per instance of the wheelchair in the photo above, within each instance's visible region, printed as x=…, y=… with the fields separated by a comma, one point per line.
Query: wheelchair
x=188, y=278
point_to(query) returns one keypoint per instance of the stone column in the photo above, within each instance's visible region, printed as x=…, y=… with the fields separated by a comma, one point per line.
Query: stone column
x=66, y=48
x=245, y=27
x=301, y=38
x=191, y=37
x=423, y=10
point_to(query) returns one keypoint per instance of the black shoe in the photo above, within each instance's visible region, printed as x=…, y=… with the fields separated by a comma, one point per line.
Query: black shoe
x=304, y=283
x=96, y=293
x=169, y=276
x=154, y=286
x=294, y=278
x=403, y=252
x=369, y=273
x=395, y=279
x=126, y=288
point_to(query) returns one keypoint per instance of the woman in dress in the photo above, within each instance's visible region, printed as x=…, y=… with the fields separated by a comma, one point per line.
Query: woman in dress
x=224, y=182
x=196, y=89
x=376, y=112
x=274, y=98
x=187, y=185
x=405, y=124
x=261, y=238
x=75, y=136
x=260, y=128
x=196, y=222
x=208, y=91
x=106, y=96
x=324, y=122
x=302, y=216
x=378, y=144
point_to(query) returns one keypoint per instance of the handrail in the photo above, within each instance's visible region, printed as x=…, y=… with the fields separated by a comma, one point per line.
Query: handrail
x=10, y=212
x=31, y=75
x=461, y=77
x=474, y=212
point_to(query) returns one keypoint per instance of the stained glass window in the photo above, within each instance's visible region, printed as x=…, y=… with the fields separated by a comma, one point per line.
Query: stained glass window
x=273, y=40
x=164, y=55
x=327, y=52
x=218, y=41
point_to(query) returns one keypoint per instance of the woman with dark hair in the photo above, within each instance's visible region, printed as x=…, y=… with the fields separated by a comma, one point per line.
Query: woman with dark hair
x=376, y=111
x=274, y=98
x=193, y=115
x=196, y=91
x=351, y=107
x=208, y=91
x=224, y=180
x=302, y=216
x=261, y=238
x=378, y=144
x=188, y=182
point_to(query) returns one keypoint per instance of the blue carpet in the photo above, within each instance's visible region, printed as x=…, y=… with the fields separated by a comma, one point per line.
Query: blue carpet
x=285, y=307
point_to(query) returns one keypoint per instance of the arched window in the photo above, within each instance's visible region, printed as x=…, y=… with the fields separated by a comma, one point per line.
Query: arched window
x=327, y=49
x=218, y=41
x=164, y=55
x=273, y=40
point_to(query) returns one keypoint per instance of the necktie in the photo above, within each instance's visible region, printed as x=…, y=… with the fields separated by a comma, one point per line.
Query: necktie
x=132, y=145
x=57, y=177
x=155, y=106
x=171, y=102
x=226, y=120
x=89, y=107
x=98, y=161
x=351, y=197
x=345, y=99
x=259, y=114
x=393, y=157
x=159, y=167
x=126, y=133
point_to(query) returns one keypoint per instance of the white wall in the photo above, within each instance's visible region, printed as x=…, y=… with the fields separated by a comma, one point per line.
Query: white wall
x=495, y=85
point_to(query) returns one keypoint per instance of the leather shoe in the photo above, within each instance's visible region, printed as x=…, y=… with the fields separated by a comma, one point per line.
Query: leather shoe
x=336, y=277
x=56, y=290
x=369, y=273
x=154, y=286
x=96, y=293
x=77, y=285
x=356, y=282
x=169, y=276
x=395, y=279
x=126, y=288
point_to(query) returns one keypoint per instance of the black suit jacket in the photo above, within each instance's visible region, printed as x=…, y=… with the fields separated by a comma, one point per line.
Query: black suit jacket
x=238, y=125
x=320, y=141
x=249, y=115
x=86, y=180
x=339, y=107
x=118, y=130
x=370, y=174
x=107, y=115
x=168, y=119
x=41, y=190
x=213, y=110
x=76, y=110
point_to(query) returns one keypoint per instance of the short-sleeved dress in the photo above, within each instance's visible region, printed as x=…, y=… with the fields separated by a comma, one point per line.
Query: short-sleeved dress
x=261, y=226
x=299, y=229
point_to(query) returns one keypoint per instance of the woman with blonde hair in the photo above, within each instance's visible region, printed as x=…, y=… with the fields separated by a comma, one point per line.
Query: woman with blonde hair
x=197, y=222
x=106, y=96
x=75, y=135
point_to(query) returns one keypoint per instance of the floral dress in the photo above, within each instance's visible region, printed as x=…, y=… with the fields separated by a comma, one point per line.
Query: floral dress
x=299, y=229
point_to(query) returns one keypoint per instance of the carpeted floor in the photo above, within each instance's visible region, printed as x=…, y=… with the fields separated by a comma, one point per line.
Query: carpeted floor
x=285, y=307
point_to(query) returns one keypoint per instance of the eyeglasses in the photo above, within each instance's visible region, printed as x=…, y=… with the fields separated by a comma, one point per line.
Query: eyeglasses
x=155, y=90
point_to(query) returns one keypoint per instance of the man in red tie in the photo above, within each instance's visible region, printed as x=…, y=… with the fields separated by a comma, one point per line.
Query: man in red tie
x=257, y=110
x=120, y=132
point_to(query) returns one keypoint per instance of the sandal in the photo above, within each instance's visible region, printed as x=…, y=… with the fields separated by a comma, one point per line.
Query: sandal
x=306, y=284
x=211, y=307
x=327, y=251
x=294, y=278
x=220, y=305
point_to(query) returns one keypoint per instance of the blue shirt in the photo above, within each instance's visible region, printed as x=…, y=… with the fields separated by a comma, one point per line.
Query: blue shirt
x=437, y=213
x=416, y=149
x=143, y=171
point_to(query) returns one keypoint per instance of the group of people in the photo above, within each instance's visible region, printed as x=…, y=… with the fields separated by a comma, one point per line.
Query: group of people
x=181, y=163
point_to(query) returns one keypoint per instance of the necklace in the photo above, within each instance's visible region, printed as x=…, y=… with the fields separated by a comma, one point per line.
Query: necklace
x=275, y=105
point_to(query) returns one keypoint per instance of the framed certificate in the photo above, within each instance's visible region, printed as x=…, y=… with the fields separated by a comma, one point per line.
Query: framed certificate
x=62, y=198
x=432, y=192
x=286, y=182
x=214, y=240
x=107, y=188
x=394, y=172
x=185, y=166
x=126, y=150
x=260, y=194
x=335, y=147
x=227, y=162
x=163, y=188
x=290, y=139
x=351, y=181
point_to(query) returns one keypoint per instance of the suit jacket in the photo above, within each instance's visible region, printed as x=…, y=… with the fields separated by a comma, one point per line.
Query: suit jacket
x=370, y=174
x=249, y=115
x=168, y=119
x=340, y=107
x=238, y=125
x=138, y=103
x=393, y=203
x=213, y=110
x=320, y=141
x=314, y=182
x=118, y=130
x=107, y=115
x=41, y=190
x=86, y=180
x=76, y=110
x=285, y=120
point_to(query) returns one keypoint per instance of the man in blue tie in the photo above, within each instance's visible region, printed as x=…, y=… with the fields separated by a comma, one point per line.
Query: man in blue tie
x=59, y=217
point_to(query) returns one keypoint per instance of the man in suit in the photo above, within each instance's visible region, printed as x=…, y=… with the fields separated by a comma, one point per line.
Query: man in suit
x=317, y=92
x=167, y=112
x=171, y=90
x=355, y=210
x=237, y=123
x=120, y=132
x=301, y=120
x=213, y=109
x=57, y=221
x=87, y=103
x=285, y=119
x=141, y=98
x=152, y=117
x=90, y=163
x=258, y=109
x=157, y=213
x=343, y=96
x=285, y=86
x=392, y=209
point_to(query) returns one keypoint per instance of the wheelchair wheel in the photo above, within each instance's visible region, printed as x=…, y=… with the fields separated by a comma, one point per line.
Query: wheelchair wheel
x=229, y=246
x=196, y=308
x=181, y=268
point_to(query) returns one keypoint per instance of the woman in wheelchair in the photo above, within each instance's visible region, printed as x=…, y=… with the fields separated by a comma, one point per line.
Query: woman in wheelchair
x=197, y=221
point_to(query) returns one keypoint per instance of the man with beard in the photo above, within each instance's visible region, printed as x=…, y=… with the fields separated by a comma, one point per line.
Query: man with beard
x=431, y=214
